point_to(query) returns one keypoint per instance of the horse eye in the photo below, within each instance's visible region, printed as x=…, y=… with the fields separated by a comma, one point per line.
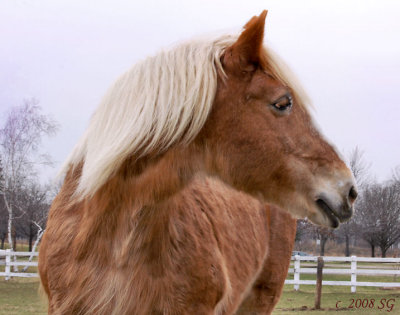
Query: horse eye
x=284, y=103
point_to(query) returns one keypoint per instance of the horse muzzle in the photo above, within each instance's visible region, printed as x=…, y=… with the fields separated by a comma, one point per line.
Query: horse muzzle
x=337, y=204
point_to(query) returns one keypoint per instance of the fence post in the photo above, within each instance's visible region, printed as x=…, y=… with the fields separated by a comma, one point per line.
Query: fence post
x=353, y=274
x=296, y=272
x=318, y=287
x=8, y=264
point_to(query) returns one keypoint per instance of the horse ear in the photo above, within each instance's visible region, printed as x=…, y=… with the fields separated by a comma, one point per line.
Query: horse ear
x=246, y=52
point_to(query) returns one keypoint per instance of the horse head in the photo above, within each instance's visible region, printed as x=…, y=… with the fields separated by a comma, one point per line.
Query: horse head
x=262, y=138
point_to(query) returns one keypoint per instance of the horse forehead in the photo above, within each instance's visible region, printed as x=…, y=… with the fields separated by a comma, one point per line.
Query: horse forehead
x=264, y=84
x=254, y=84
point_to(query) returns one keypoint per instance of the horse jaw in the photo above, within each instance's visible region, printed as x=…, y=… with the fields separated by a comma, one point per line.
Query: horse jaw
x=329, y=204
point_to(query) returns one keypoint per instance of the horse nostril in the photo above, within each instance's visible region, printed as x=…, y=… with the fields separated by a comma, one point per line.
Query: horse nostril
x=353, y=194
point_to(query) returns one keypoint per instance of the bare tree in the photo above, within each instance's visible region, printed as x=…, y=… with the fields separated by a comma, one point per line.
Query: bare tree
x=360, y=170
x=359, y=167
x=396, y=175
x=311, y=231
x=3, y=210
x=301, y=229
x=379, y=215
x=20, y=139
x=346, y=232
x=323, y=234
x=35, y=203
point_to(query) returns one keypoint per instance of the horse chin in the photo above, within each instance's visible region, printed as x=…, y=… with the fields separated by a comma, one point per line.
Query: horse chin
x=324, y=218
x=322, y=212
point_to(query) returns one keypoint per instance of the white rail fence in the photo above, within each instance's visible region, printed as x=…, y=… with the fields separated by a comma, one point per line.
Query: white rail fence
x=382, y=267
x=7, y=260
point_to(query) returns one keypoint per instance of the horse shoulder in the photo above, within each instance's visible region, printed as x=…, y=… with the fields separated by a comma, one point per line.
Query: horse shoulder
x=240, y=227
x=267, y=288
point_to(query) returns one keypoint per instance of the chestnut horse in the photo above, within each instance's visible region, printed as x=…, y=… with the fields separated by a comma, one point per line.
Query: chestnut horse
x=163, y=210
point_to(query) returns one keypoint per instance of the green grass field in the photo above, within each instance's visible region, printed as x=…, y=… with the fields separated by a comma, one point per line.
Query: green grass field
x=367, y=300
x=338, y=298
x=21, y=296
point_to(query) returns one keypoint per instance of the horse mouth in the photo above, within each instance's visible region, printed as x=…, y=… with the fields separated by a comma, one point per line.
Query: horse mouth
x=332, y=216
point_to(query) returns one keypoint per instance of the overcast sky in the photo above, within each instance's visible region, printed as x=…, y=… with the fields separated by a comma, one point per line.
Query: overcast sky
x=346, y=53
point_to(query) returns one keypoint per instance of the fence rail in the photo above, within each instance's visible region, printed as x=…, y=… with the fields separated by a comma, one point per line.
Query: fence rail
x=7, y=260
x=353, y=271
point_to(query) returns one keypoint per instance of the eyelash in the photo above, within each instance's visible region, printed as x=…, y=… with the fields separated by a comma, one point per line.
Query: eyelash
x=286, y=106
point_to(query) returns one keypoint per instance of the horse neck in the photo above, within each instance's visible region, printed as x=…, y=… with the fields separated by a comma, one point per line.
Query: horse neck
x=137, y=186
x=164, y=176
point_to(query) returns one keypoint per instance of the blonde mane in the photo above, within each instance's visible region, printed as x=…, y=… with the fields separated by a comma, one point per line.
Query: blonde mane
x=161, y=101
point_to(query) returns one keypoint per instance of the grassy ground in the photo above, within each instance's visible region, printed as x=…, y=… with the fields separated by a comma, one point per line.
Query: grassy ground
x=338, y=298
x=20, y=296
x=367, y=300
x=21, y=246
